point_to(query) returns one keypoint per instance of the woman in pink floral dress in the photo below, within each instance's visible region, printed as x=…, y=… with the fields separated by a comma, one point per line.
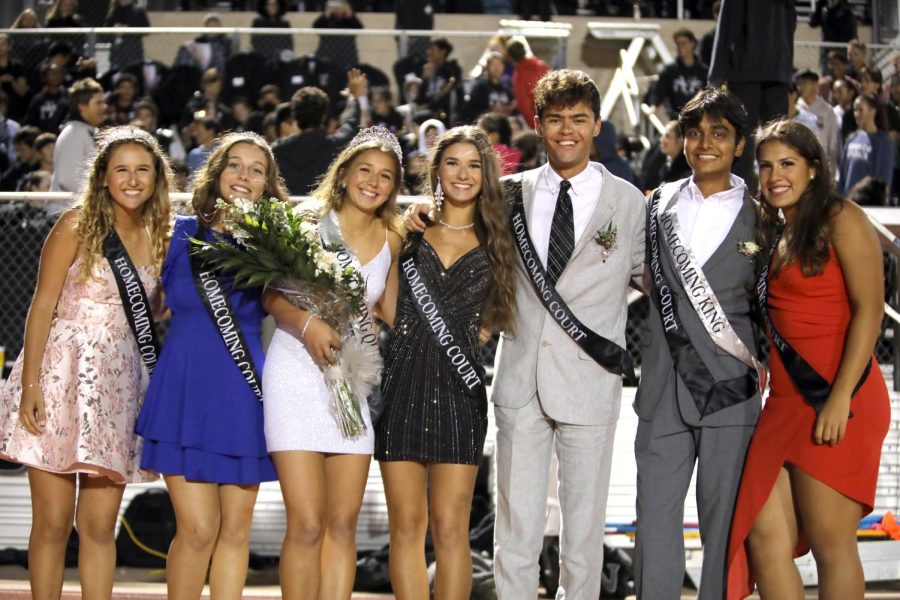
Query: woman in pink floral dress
x=69, y=406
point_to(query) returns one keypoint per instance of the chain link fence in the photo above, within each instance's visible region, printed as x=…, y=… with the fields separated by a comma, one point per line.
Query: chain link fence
x=24, y=226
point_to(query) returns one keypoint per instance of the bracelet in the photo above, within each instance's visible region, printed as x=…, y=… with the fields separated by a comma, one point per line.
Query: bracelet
x=305, y=325
x=29, y=385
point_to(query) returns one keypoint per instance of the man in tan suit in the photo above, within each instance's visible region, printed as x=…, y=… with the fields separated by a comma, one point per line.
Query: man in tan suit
x=580, y=235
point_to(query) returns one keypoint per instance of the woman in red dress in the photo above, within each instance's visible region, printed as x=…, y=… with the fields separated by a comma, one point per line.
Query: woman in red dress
x=812, y=466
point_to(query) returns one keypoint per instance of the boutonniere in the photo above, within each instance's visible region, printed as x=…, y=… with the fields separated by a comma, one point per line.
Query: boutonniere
x=748, y=248
x=606, y=239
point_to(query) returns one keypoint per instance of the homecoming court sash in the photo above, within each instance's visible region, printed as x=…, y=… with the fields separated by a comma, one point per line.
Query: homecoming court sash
x=134, y=299
x=432, y=313
x=814, y=388
x=606, y=353
x=709, y=395
x=218, y=305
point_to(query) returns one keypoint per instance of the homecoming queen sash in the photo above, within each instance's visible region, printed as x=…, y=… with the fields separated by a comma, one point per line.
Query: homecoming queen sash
x=215, y=298
x=134, y=299
x=606, y=353
x=709, y=395
x=814, y=388
x=363, y=327
x=433, y=315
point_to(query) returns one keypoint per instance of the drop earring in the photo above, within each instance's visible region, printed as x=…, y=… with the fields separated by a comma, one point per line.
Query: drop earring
x=438, y=195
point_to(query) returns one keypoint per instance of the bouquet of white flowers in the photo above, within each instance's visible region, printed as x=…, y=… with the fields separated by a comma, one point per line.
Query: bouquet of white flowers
x=280, y=246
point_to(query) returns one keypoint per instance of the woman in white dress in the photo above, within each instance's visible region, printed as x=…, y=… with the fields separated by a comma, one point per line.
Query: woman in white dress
x=322, y=473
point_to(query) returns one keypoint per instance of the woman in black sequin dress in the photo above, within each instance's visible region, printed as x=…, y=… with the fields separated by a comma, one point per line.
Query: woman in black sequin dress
x=451, y=284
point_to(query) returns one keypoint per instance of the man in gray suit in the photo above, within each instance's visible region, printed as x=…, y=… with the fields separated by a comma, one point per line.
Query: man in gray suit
x=579, y=229
x=698, y=398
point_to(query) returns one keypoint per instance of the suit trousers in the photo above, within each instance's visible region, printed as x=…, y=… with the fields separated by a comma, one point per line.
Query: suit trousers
x=525, y=439
x=665, y=462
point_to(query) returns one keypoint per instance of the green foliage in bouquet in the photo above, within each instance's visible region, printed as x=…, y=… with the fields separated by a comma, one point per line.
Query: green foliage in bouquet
x=279, y=245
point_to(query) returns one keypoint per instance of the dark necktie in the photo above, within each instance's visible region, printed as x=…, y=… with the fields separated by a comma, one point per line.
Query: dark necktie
x=562, y=234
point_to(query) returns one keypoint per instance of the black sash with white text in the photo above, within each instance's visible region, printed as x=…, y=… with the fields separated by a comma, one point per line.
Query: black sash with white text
x=215, y=299
x=606, y=353
x=134, y=299
x=432, y=313
x=708, y=394
x=814, y=388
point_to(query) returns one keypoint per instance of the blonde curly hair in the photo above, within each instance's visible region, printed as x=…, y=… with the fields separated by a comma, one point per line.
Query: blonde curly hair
x=96, y=216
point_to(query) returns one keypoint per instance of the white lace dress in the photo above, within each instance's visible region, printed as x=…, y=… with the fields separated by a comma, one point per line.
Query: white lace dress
x=295, y=398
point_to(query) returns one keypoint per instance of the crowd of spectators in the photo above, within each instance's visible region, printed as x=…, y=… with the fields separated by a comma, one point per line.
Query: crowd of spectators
x=309, y=106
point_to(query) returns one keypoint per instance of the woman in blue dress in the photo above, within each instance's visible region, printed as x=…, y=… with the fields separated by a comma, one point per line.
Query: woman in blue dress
x=202, y=420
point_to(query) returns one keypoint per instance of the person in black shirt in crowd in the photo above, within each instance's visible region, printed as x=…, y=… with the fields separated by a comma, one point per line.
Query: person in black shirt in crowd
x=706, y=41
x=490, y=93
x=126, y=49
x=13, y=81
x=271, y=16
x=209, y=100
x=339, y=49
x=49, y=107
x=679, y=81
x=285, y=121
x=441, y=76
x=303, y=157
x=383, y=112
x=27, y=158
x=837, y=21
x=122, y=99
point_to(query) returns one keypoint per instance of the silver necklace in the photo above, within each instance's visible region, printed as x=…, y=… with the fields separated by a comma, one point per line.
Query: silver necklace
x=456, y=227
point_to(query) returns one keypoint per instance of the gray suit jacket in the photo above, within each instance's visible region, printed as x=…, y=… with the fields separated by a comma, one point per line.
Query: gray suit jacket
x=732, y=277
x=540, y=358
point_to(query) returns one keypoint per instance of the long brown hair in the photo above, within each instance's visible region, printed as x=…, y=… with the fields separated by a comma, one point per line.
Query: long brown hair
x=491, y=224
x=812, y=232
x=330, y=191
x=97, y=217
x=206, y=181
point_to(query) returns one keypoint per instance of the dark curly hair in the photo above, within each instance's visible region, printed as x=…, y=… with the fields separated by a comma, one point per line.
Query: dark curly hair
x=563, y=88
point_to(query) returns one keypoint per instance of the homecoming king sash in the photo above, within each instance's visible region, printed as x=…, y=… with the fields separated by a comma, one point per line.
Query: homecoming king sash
x=708, y=394
x=606, y=353
x=218, y=305
x=432, y=313
x=134, y=299
x=814, y=388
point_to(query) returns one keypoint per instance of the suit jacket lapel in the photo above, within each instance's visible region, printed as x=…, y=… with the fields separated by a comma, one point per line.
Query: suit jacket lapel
x=743, y=222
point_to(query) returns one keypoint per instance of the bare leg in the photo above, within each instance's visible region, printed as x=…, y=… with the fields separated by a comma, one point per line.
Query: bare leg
x=52, y=514
x=830, y=520
x=345, y=481
x=197, y=516
x=407, y=503
x=302, y=477
x=231, y=554
x=452, y=487
x=95, y=519
x=771, y=544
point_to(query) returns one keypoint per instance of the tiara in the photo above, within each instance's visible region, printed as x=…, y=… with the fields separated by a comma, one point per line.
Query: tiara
x=124, y=133
x=379, y=134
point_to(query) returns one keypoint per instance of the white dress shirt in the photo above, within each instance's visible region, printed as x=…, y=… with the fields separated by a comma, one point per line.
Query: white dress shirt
x=584, y=193
x=706, y=221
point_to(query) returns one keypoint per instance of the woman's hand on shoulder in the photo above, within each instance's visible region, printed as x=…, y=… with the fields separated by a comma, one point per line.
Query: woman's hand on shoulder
x=414, y=219
x=831, y=423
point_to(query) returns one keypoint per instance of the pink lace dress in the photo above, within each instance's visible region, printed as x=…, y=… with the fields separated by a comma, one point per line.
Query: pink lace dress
x=93, y=382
